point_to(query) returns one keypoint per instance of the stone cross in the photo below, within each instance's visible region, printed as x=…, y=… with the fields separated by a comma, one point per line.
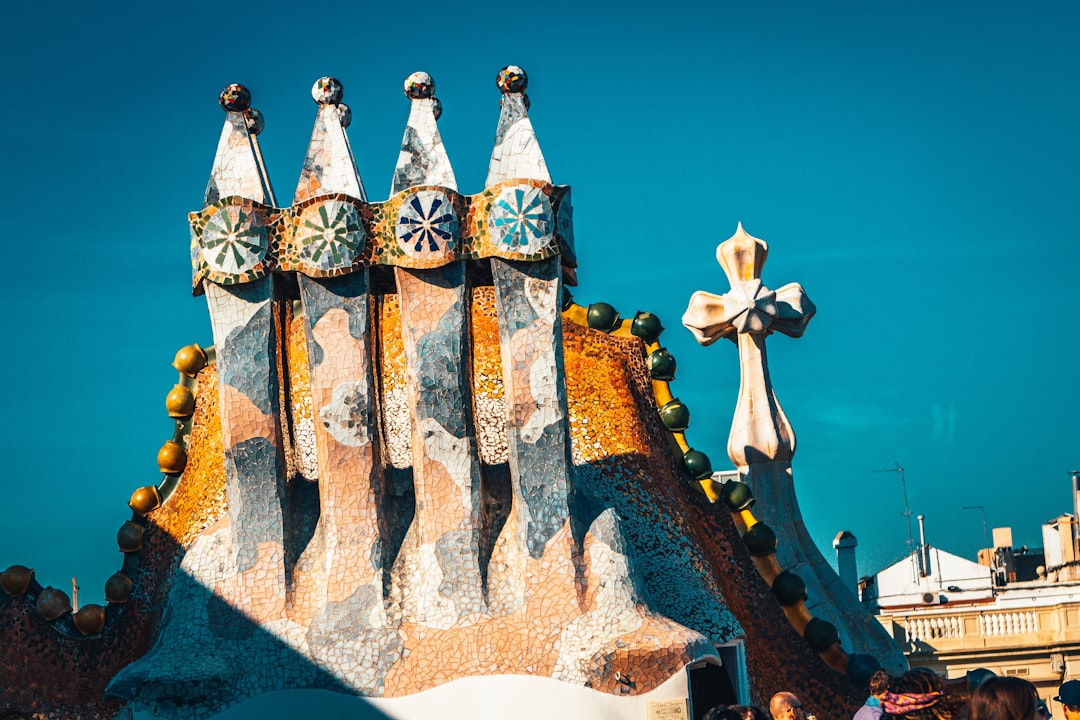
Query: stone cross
x=747, y=314
x=762, y=443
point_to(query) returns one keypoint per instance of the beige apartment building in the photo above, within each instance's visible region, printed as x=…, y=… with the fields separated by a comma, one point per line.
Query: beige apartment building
x=1015, y=612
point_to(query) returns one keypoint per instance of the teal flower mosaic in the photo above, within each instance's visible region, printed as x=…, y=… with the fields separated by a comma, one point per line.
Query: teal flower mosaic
x=330, y=235
x=234, y=240
x=520, y=220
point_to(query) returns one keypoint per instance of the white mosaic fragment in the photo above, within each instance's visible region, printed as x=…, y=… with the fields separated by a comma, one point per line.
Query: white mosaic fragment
x=329, y=166
x=398, y=427
x=237, y=166
x=517, y=152
x=423, y=159
x=491, y=434
x=305, y=449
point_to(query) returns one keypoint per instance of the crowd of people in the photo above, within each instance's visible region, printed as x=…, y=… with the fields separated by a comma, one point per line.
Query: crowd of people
x=921, y=694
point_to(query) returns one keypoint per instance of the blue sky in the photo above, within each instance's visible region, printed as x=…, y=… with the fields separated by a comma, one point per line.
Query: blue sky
x=914, y=165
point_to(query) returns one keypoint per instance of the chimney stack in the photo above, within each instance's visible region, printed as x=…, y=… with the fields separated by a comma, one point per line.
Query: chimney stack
x=844, y=543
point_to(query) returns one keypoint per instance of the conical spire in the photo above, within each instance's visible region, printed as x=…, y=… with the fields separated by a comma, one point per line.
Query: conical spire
x=238, y=166
x=329, y=166
x=423, y=159
x=516, y=153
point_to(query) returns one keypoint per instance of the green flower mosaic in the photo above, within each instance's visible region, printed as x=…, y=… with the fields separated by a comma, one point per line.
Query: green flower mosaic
x=330, y=235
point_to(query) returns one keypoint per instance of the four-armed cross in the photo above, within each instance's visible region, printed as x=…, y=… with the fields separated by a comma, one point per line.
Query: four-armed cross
x=760, y=432
x=762, y=442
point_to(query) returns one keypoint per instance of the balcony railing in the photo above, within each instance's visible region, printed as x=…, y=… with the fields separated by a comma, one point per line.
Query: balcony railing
x=933, y=628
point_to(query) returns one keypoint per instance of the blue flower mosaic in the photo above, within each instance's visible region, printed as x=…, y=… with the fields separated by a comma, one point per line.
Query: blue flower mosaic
x=427, y=224
x=234, y=240
x=520, y=220
x=330, y=235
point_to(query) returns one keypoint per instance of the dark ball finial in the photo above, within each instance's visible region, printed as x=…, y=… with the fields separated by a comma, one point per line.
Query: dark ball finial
x=235, y=98
x=255, y=121
x=345, y=114
x=419, y=86
x=512, y=79
x=327, y=91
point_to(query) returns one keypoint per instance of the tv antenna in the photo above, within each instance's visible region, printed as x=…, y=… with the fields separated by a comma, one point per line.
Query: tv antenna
x=899, y=470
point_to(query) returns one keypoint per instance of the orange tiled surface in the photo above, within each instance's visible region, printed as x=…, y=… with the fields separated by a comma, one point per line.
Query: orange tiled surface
x=622, y=456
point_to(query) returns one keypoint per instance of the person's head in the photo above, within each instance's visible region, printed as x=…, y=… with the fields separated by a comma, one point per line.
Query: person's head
x=786, y=706
x=1069, y=697
x=1004, y=698
x=721, y=712
x=920, y=695
x=879, y=683
x=750, y=712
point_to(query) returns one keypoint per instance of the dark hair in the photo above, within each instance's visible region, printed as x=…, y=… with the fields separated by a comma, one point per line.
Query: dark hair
x=879, y=682
x=1003, y=698
x=919, y=682
x=750, y=712
x=722, y=712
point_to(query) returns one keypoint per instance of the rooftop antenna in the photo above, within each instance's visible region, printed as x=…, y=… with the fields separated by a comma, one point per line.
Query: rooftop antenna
x=986, y=540
x=986, y=535
x=899, y=470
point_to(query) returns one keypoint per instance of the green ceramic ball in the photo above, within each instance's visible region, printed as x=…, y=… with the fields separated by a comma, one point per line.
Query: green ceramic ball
x=603, y=317
x=738, y=495
x=820, y=634
x=788, y=588
x=646, y=326
x=698, y=464
x=760, y=540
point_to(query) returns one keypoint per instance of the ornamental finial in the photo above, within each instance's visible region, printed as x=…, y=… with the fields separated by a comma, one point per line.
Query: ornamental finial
x=512, y=79
x=329, y=166
x=327, y=91
x=235, y=98
x=419, y=86
x=255, y=121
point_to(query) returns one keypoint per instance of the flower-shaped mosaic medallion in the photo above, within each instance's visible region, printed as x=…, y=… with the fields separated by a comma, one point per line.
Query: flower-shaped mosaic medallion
x=234, y=240
x=427, y=224
x=520, y=220
x=330, y=235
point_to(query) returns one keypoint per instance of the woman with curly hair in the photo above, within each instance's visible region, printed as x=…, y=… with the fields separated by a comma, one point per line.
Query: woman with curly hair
x=921, y=695
x=1004, y=698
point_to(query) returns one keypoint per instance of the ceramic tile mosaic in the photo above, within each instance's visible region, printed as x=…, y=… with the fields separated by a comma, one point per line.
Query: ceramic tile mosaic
x=423, y=159
x=391, y=486
x=441, y=548
x=237, y=241
x=306, y=459
x=397, y=422
x=517, y=153
x=528, y=298
x=238, y=168
x=488, y=393
x=329, y=166
x=254, y=464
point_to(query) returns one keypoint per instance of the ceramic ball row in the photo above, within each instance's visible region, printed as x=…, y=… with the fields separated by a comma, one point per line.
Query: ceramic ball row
x=790, y=590
x=329, y=91
x=661, y=365
x=53, y=604
x=180, y=405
